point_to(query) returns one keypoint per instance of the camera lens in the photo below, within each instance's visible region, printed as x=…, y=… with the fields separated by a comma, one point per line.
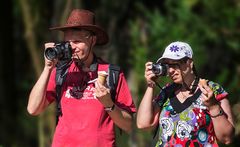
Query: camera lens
x=61, y=51
x=50, y=53
x=159, y=69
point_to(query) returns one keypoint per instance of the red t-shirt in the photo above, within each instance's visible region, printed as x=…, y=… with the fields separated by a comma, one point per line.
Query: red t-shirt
x=84, y=122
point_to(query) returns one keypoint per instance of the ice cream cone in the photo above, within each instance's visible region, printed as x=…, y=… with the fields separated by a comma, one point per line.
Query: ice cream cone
x=203, y=82
x=102, y=75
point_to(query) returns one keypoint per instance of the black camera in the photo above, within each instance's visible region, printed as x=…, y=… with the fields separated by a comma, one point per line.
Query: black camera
x=61, y=51
x=160, y=69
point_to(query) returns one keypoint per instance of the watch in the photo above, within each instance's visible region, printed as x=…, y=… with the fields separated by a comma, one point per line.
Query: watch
x=109, y=109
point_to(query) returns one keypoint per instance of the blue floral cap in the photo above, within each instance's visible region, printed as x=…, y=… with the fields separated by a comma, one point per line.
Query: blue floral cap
x=176, y=51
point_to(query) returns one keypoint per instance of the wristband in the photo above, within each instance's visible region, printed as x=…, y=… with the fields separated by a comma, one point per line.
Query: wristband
x=152, y=85
x=219, y=114
x=109, y=109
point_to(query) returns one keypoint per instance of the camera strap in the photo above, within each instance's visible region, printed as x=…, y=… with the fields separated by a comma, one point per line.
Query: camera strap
x=61, y=72
x=93, y=67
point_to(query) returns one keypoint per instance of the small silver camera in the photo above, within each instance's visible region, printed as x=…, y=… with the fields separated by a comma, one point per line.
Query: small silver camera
x=159, y=69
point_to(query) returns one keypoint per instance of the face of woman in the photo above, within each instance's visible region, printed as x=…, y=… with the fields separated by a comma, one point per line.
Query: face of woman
x=81, y=42
x=178, y=70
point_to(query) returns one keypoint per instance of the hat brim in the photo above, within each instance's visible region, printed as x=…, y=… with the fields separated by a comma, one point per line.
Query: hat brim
x=102, y=37
x=168, y=57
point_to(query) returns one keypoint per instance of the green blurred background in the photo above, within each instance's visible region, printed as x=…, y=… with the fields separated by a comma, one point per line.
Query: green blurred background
x=138, y=29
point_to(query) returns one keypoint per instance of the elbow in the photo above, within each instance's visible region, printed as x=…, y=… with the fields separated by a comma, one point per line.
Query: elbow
x=140, y=126
x=141, y=123
x=31, y=111
x=129, y=128
x=143, y=126
x=228, y=139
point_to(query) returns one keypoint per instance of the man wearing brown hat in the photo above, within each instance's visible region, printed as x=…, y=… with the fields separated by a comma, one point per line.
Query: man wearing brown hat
x=88, y=111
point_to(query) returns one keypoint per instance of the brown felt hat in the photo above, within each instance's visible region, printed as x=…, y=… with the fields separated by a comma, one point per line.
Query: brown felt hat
x=84, y=19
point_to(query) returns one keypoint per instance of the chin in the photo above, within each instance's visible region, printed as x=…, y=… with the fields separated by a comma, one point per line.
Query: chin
x=177, y=81
x=74, y=57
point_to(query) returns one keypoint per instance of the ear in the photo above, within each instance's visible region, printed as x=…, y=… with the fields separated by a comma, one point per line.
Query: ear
x=94, y=39
x=190, y=62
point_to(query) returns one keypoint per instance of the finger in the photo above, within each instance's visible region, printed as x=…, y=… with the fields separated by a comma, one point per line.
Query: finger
x=96, y=85
x=148, y=66
x=49, y=44
x=207, y=88
x=98, y=90
x=149, y=77
x=202, y=88
x=148, y=63
x=148, y=73
x=101, y=87
x=204, y=91
x=203, y=97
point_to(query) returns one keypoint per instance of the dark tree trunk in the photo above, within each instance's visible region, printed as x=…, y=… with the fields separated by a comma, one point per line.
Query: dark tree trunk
x=8, y=108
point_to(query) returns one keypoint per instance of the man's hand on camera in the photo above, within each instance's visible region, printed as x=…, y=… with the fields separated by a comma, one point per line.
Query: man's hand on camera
x=50, y=64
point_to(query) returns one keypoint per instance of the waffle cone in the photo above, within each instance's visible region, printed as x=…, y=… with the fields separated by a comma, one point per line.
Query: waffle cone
x=102, y=77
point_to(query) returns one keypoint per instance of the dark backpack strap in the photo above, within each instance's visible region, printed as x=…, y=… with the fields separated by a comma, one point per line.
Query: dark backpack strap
x=61, y=72
x=114, y=71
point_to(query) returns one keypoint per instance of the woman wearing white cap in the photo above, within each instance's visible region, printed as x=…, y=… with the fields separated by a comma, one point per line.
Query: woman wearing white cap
x=189, y=111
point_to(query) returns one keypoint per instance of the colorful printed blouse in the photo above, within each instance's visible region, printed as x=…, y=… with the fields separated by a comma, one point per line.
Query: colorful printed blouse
x=188, y=123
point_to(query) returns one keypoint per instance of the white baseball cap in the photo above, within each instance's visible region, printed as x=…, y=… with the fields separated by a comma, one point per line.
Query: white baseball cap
x=176, y=51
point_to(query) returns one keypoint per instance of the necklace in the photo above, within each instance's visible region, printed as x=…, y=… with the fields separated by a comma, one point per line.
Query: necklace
x=194, y=85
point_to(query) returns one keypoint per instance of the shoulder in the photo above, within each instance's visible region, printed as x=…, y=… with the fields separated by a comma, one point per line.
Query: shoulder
x=218, y=90
x=165, y=93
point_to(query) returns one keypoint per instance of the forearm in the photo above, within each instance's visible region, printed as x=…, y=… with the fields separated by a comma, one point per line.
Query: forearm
x=145, y=115
x=122, y=119
x=37, y=101
x=223, y=135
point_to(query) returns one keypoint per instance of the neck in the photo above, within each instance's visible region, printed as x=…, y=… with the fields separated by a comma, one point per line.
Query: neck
x=89, y=60
x=188, y=82
x=85, y=65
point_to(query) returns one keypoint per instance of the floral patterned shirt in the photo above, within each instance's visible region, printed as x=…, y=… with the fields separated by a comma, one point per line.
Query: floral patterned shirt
x=187, y=123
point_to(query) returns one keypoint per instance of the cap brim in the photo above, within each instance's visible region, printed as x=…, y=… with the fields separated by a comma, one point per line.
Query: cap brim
x=168, y=57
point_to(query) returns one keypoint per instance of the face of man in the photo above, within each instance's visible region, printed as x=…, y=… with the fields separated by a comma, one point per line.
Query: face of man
x=81, y=42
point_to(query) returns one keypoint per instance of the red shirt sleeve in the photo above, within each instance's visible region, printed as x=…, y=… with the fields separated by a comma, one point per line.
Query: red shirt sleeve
x=51, y=87
x=123, y=96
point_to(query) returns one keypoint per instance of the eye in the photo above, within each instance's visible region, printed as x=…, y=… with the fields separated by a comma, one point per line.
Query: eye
x=173, y=65
x=76, y=41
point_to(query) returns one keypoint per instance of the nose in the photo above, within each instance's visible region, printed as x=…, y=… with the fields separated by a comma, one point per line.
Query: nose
x=73, y=45
x=171, y=70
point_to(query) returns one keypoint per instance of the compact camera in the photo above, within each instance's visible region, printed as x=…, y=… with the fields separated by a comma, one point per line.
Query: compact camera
x=61, y=51
x=159, y=69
